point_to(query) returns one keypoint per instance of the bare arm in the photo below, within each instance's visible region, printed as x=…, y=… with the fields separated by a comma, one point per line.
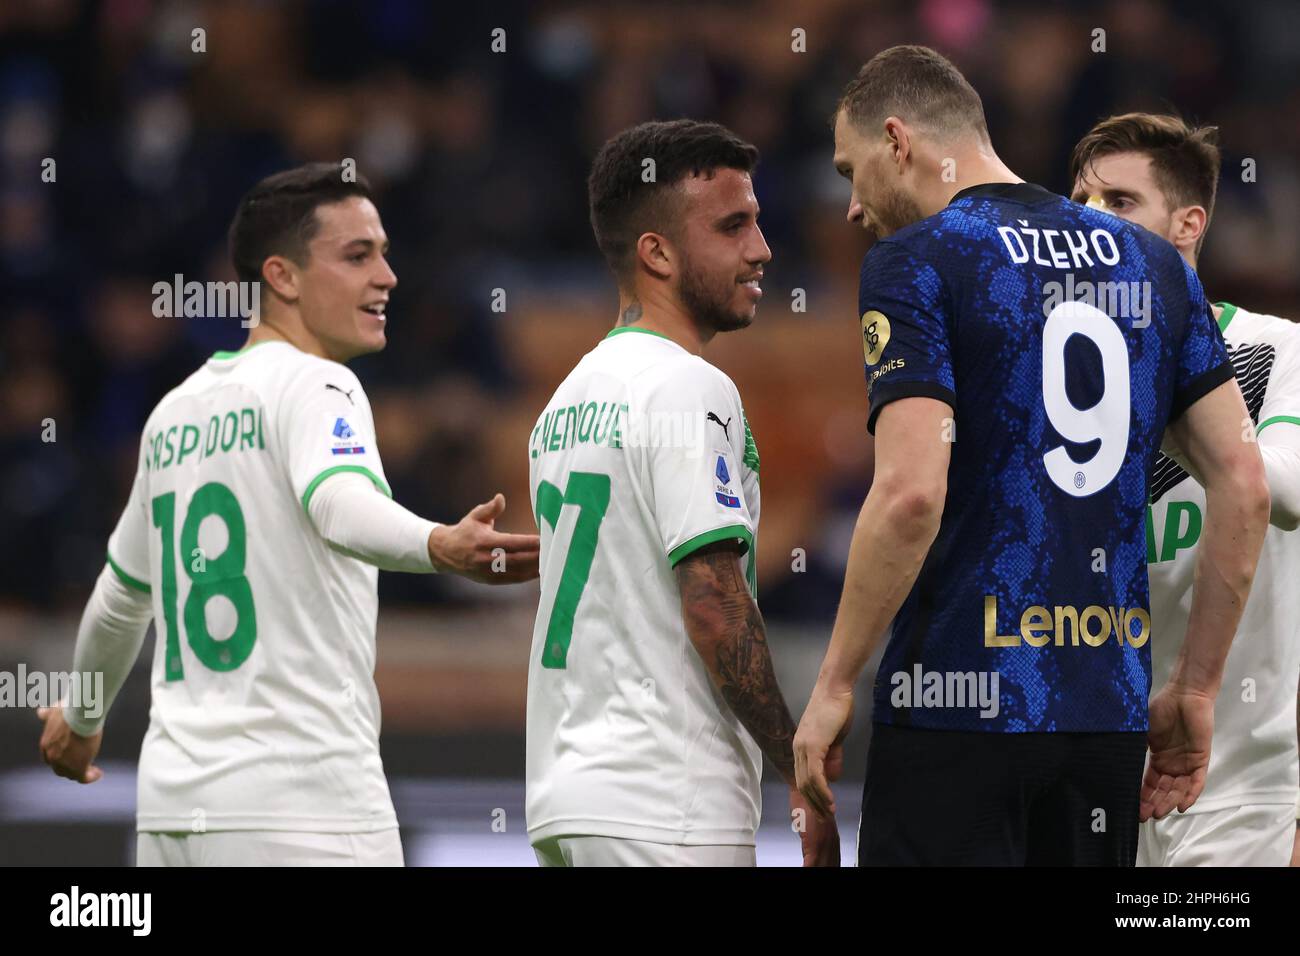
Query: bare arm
x=1210, y=437
x=898, y=523
x=725, y=625
x=896, y=526
x=1227, y=461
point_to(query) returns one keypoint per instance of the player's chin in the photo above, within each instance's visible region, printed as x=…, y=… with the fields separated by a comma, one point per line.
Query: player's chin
x=743, y=310
x=371, y=340
x=735, y=320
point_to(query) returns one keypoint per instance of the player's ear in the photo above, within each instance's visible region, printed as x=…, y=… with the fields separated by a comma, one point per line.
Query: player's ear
x=282, y=276
x=900, y=140
x=1188, y=226
x=655, y=255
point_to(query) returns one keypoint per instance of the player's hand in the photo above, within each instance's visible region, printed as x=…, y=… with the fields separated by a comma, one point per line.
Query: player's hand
x=1182, y=724
x=69, y=754
x=473, y=548
x=819, y=747
x=819, y=837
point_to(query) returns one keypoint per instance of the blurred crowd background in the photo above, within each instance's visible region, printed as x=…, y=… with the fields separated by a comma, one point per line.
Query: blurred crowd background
x=480, y=159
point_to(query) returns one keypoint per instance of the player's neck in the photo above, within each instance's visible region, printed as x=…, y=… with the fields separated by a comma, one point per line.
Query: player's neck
x=1189, y=256
x=666, y=318
x=279, y=330
x=976, y=168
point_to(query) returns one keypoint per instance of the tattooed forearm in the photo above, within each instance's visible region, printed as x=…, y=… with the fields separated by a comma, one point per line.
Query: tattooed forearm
x=727, y=629
x=631, y=314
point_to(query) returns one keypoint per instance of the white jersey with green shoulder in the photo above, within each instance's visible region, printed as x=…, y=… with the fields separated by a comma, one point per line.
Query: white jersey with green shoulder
x=264, y=713
x=1253, y=759
x=640, y=458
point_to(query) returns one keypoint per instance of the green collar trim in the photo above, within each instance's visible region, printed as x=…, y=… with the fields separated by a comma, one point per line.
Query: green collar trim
x=224, y=356
x=634, y=328
x=1225, y=316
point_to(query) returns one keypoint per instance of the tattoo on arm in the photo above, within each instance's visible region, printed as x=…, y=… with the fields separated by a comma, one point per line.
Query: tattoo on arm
x=631, y=314
x=727, y=629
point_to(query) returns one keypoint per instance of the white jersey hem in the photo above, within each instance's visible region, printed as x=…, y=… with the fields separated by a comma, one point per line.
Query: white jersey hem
x=583, y=826
x=1244, y=798
x=161, y=823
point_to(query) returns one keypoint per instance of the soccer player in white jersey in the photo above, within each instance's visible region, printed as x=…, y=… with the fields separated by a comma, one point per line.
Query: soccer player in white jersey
x=254, y=534
x=651, y=694
x=1159, y=172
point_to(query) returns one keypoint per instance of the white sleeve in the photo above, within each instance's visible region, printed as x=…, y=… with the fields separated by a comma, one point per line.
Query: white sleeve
x=1279, y=431
x=326, y=428
x=112, y=630
x=128, y=545
x=1281, y=454
x=693, y=434
x=360, y=522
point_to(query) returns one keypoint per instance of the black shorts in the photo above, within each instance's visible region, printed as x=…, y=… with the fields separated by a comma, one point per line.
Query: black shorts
x=959, y=798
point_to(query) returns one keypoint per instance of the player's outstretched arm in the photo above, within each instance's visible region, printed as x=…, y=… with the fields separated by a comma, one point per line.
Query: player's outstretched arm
x=360, y=522
x=474, y=548
x=109, y=638
x=1210, y=436
x=896, y=526
x=726, y=627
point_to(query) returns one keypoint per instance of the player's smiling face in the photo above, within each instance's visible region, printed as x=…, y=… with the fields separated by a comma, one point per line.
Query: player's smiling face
x=1123, y=184
x=877, y=202
x=344, y=285
x=722, y=250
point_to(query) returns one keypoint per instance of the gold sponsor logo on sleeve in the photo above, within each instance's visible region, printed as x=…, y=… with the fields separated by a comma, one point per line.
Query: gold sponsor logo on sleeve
x=875, y=335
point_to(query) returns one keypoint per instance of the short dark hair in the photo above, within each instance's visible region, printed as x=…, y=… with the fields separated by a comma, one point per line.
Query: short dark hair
x=624, y=206
x=1184, y=158
x=277, y=217
x=916, y=84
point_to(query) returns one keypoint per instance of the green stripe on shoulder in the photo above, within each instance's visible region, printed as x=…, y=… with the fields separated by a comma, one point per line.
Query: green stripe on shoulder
x=359, y=469
x=133, y=583
x=1288, y=419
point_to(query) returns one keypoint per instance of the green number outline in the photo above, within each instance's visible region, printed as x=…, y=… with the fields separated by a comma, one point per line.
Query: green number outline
x=590, y=492
x=219, y=575
x=164, y=519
